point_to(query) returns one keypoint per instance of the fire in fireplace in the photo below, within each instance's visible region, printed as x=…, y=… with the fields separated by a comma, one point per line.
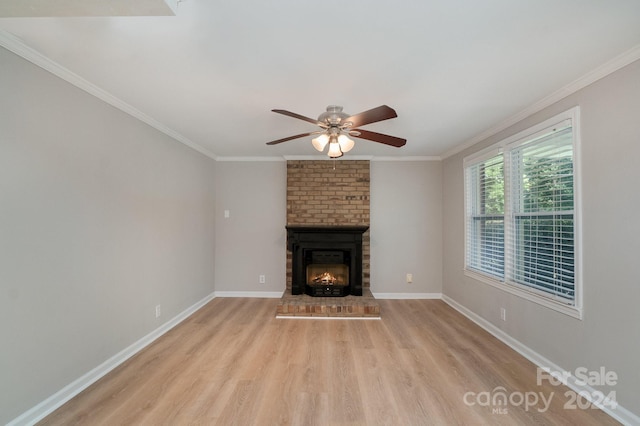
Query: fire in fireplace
x=327, y=272
x=326, y=261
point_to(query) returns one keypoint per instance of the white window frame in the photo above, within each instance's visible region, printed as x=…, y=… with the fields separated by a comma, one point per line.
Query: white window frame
x=504, y=147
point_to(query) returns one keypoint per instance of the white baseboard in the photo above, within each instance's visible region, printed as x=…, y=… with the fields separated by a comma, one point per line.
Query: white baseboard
x=619, y=413
x=262, y=294
x=305, y=317
x=407, y=295
x=278, y=294
x=49, y=405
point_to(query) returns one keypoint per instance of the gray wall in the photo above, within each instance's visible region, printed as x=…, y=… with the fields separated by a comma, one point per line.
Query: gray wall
x=406, y=217
x=406, y=226
x=101, y=218
x=608, y=335
x=252, y=241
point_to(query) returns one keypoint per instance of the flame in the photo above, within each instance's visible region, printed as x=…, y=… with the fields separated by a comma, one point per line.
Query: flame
x=325, y=278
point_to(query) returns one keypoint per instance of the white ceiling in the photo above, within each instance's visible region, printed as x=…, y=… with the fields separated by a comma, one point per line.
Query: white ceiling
x=451, y=69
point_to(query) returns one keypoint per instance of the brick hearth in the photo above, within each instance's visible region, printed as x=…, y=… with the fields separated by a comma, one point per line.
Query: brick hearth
x=301, y=305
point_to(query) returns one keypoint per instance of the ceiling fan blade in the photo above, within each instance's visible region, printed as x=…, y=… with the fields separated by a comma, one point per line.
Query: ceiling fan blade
x=380, y=113
x=378, y=137
x=301, y=135
x=299, y=117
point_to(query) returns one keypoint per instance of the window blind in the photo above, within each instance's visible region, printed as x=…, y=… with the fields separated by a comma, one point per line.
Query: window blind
x=485, y=216
x=541, y=239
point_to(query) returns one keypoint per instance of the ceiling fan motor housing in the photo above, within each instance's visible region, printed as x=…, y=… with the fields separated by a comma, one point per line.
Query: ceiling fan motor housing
x=333, y=115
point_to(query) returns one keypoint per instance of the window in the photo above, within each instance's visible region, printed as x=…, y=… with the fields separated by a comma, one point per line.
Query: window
x=520, y=202
x=485, y=251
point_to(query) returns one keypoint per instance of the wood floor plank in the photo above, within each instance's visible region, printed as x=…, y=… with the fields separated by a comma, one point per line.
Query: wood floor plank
x=233, y=362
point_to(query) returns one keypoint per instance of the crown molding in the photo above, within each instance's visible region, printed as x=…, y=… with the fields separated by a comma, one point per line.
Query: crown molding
x=17, y=46
x=256, y=159
x=325, y=158
x=415, y=158
x=591, y=77
x=416, y=296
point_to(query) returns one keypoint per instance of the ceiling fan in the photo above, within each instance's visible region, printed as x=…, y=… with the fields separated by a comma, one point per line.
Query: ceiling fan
x=337, y=126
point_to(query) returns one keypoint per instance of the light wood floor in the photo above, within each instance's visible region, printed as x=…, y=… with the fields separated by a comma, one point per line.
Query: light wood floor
x=234, y=363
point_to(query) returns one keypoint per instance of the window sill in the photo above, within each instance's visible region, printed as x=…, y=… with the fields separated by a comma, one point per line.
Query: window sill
x=571, y=311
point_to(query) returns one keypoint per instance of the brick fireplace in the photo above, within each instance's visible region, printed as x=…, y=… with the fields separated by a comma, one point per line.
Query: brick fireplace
x=319, y=195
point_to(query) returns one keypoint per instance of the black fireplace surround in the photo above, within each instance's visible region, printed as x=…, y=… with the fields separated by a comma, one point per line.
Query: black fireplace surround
x=341, y=245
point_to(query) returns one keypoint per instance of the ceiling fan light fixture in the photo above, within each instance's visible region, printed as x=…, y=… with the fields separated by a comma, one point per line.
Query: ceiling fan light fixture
x=334, y=149
x=345, y=143
x=320, y=142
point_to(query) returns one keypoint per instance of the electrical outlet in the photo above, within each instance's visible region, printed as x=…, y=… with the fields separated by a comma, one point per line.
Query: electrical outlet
x=503, y=314
x=262, y=279
x=158, y=311
x=226, y=214
x=409, y=278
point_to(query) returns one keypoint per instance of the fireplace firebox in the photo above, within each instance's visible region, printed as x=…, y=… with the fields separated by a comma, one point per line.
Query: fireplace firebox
x=326, y=260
